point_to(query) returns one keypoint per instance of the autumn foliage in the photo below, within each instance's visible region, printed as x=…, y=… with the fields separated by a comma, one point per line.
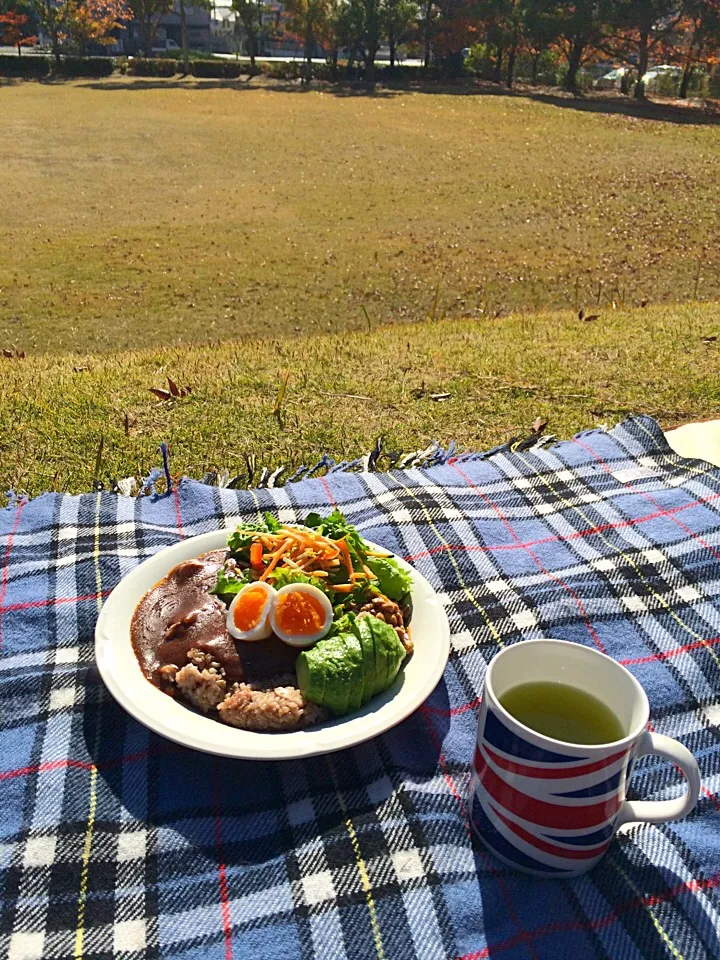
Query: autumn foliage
x=13, y=30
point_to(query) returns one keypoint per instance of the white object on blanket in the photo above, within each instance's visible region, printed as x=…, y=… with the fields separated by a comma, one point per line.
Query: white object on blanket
x=699, y=441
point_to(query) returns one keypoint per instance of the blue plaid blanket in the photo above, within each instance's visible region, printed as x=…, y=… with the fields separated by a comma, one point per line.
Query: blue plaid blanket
x=114, y=842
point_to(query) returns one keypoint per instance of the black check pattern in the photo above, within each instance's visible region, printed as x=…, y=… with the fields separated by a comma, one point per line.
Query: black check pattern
x=115, y=843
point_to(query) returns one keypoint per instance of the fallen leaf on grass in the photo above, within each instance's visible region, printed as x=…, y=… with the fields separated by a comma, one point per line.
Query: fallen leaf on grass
x=709, y=339
x=539, y=426
x=174, y=393
x=437, y=397
x=593, y=316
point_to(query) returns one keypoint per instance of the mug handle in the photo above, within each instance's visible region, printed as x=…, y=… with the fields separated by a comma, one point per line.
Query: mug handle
x=658, y=811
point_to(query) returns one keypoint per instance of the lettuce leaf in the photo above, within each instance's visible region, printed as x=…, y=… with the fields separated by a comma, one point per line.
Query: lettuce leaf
x=393, y=580
x=229, y=584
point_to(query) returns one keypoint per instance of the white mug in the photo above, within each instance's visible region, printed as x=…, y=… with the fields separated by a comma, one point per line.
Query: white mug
x=551, y=808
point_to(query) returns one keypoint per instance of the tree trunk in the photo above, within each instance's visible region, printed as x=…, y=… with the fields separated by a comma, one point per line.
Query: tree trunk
x=19, y=49
x=252, y=43
x=497, y=72
x=428, y=14
x=147, y=37
x=685, y=83
x=574, y=62
x=184, y=38
x=334, y=64
x=309, y=48
x=535, y=68
x=643, y=59
x=370, y=63
x=512, y=55
x=392, y=45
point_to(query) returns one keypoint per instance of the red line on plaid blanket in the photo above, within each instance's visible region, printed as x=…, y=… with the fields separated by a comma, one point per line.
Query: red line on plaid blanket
x=6, y=563
x=609, y=918
x=523, y=936
x=328, y=491
x=538, y=563
x=51, y=601
x=222, y=872
x=649, y=496
x=589, y=531
x=665, y=654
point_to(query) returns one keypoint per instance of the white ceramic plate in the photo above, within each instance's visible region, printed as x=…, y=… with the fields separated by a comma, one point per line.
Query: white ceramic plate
x=121, y=672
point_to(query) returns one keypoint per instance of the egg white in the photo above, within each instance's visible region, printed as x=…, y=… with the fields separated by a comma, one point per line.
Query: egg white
x=263, y=629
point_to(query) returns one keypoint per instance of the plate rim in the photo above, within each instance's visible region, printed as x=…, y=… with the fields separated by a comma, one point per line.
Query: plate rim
x=255, y=745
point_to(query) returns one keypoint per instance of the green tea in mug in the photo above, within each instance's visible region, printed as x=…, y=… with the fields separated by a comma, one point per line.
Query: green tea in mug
x=562, y=712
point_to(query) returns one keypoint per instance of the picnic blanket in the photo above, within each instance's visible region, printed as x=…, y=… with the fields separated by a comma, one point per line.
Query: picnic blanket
x=117, y=843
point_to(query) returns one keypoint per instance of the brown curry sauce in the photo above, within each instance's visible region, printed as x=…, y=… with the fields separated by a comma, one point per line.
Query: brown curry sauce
x=180, y=614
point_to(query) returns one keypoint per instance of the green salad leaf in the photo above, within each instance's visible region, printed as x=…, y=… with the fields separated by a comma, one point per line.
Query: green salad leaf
x=282, y=576
x=240, y=539
x=229, y=584
x=336, y=527
x=393, y=580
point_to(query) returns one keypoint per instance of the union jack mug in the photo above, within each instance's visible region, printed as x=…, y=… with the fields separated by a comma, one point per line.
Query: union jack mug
x=551, y=808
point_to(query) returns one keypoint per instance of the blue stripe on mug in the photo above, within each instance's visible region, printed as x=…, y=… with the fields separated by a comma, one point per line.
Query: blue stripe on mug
x=498, y=735
x=497, y=841
x=587, y=839
x=597, y=789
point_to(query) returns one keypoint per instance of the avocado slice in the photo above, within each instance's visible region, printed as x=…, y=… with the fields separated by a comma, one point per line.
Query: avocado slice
x=389, y=651
x=363, y=631
x=354, y=654
x=311, y=674
x=340, y=671
x=381, y=663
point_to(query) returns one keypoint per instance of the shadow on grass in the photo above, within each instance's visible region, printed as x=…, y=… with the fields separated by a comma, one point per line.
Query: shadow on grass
x=666, y=112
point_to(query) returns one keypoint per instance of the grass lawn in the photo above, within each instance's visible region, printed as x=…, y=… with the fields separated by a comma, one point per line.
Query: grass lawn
x=150, y=213
x=345, y=390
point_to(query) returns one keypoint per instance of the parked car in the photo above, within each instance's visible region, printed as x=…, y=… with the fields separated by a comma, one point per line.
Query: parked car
x=611, y=80
x=656, y=75
x=169, y=45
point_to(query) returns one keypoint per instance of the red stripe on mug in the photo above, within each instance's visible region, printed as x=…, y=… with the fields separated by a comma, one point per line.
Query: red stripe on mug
x=551, y=773
x=558, y=816
x=576, y=853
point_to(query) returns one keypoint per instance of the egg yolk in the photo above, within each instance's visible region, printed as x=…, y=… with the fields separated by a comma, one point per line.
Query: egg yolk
x=299, y=614
x=249, y=609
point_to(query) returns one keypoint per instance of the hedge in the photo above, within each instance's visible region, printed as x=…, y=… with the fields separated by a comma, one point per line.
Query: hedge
x=84, y=67
x=28, y=66
x=220, y=69
x=142, y=67
x=279, y=70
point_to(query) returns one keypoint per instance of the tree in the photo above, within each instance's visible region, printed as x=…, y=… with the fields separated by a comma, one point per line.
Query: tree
x=699, y=38
x=364, y=18
x=307, y=18
x=14, y=31
x=86, y=21
x=147, y=13
x=250, y=14
x=646, y=25
x=579, y=27
x=399, y=19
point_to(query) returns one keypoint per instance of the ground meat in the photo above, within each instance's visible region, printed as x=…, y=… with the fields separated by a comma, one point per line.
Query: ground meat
x=390, y=612
x=205, y=688
x=251, y=706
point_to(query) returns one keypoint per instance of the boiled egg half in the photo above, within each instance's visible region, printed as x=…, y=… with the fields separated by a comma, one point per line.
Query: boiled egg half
x=301, y=615
x=248, y=616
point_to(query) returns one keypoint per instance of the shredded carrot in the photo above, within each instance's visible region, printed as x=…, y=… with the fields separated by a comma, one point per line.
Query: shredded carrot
x=342, y=587
x=342, y=544
x=275, y=559
x=256, y=555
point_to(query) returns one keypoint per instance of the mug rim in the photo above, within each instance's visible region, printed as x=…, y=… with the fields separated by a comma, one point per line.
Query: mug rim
x=625, y=742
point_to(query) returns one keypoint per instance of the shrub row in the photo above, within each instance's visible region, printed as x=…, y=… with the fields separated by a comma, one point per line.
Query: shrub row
x=27, y=66
x=143, y=67
x=84, y=67
x=38, y=67
x=220, y=69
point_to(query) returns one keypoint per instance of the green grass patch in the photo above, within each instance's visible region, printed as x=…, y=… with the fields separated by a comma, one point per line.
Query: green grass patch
x=343, y=391
x=150, y=213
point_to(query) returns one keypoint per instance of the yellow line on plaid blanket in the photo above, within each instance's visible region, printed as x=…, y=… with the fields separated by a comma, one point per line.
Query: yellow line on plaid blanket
x=468, y=593
x=661, y=600
x=362, y=869
x=655, y=922
x=92, y=806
